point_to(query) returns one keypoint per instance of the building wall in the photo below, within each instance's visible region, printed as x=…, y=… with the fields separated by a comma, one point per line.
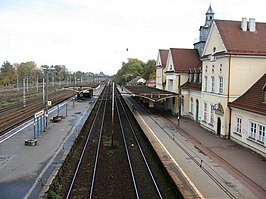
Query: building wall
x=212, y=95
x=245, y=71
x=172, y=81
x=244, y=137
x=159, y=78
x=239, y=73
x=159, y=73
x=185, y=102
x=241, y=79
x=189, y=108
x=214, y=40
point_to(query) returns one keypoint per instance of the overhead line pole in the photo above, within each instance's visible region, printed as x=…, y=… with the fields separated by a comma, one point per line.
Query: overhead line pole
x=113, y=114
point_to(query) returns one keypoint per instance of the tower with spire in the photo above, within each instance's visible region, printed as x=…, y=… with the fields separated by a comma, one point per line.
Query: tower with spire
x=204, y=31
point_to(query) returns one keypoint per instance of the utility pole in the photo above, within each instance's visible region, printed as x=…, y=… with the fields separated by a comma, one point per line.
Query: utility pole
x=27, y=84
x=46, y=98
x=113, y=113
x=24, y=96
x=43, y=92
x=37, y=84
x=17, y=84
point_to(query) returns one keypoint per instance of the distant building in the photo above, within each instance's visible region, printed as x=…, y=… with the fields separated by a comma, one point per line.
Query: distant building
x=179, y=61
x=137, y=81
x=151, y=83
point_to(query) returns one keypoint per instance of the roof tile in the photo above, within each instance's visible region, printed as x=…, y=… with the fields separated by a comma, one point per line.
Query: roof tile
x=237, y=41
x=163, y=55
x=253, y=99
x=184, y=59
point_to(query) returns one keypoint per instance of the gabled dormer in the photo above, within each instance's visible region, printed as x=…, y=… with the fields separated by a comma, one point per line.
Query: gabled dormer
x=161, y=58
x=160, y=68
x=170, y=63
x=214, y=44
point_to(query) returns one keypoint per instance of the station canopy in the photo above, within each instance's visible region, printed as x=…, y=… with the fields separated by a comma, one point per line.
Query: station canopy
x=150, y=93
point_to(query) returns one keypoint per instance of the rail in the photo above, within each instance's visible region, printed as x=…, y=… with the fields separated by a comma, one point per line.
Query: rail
x=139, y=148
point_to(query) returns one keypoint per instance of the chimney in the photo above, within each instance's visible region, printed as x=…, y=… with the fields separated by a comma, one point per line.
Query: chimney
x=244, y=24
x=252, y=25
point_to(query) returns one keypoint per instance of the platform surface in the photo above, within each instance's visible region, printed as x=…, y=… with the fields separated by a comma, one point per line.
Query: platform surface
x=25, y=170
x=196, y=153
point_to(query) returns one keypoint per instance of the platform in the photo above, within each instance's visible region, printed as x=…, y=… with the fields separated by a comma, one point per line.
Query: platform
x=191, y=168
x=26, y=171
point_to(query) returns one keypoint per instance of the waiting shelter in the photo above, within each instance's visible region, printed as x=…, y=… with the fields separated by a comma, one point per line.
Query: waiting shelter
x=151, y=96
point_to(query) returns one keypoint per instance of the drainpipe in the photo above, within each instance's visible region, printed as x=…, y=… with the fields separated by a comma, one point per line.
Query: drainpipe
x=228, y=93
x=229, y=125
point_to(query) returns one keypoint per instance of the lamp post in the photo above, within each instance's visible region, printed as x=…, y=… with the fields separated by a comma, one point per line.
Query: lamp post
x=179, y=103
x=113, y=115
x=46, y=70
x=24, y=96
x=46, y=97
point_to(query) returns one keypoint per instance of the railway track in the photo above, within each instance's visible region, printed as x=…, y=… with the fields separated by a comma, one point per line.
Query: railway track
x=140, y=169
x=88, y=160
x=216, y=178
x=113, y=164
x=13, y=116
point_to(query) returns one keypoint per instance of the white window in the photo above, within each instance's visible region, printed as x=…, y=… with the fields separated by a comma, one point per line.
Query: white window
x=238, y=124
x=221, y=85
x=261, y=133
x=205, y=83
x=190, y=76
x=205, y=111
x=200, y=77
x=252, y=129
x=213, y=50
x=170, y=84
x=191, y=105
x=212, y=114
x=212, y=84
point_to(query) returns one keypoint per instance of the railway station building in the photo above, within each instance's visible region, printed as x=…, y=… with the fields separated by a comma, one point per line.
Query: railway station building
x=232, y=58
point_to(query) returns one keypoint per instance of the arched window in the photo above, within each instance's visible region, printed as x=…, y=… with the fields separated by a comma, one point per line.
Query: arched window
x=191, y=105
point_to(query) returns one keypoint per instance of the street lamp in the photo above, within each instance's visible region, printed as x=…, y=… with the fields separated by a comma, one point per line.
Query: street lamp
x=179, y=102
x=46, y=70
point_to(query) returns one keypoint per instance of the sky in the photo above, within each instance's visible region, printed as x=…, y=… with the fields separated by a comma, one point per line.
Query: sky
x=94, y=35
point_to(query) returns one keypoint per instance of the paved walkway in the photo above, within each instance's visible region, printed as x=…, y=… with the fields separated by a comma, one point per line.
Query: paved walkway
x=25, y=171
x=200, y=154
x=244, y=160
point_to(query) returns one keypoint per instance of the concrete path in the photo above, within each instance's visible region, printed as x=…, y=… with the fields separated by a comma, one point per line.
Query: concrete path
x=26, y=170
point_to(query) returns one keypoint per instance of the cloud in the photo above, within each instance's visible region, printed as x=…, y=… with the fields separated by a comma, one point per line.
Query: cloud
x=92, y=35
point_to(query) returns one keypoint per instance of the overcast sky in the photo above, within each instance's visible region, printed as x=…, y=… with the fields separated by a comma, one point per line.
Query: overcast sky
x=93, y=35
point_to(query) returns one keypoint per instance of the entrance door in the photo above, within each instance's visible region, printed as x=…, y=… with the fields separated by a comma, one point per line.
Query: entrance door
x=197, y=110
x=218, y=126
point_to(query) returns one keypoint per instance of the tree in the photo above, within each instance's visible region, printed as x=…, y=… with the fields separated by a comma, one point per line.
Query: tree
x=26, y=69
x=133, y=68
x=150, y=70
x=7, y=73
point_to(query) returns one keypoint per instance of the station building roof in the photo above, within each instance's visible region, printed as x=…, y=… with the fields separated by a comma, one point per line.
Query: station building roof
x=150, y=93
